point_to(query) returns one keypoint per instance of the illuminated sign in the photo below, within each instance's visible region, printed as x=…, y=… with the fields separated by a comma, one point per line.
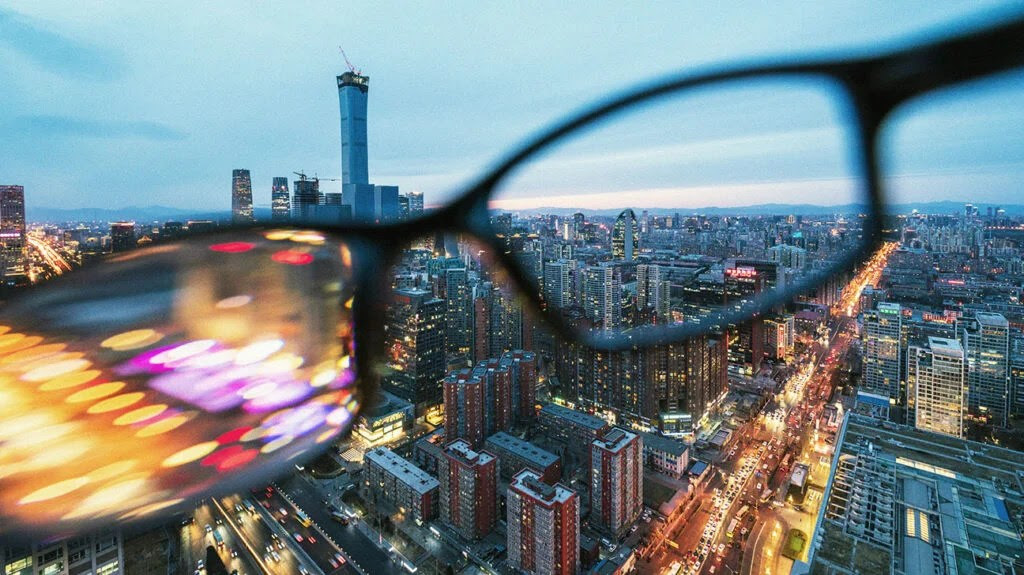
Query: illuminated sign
x=741, y=272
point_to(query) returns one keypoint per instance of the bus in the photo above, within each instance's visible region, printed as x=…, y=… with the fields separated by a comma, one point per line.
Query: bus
x=731, y=531
x=743, y=511
x=303, y=519
x=218, y=538
x=339, y=517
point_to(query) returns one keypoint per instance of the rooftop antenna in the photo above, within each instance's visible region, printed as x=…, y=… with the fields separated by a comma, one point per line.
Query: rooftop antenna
x=351, y=68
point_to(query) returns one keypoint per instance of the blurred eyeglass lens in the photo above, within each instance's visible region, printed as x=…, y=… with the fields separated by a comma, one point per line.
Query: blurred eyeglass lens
x=689, y=205
x=143, y=383
x=962, y=145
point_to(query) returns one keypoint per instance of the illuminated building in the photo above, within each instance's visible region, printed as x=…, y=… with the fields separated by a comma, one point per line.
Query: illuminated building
x=652, y=291
x=280, y=203
x=602, y=295
x=516, y=454
x=122, y=236
x=469, y=489
x=241, y=197
x=616, y=481
x=986, y=342
x=390, y=477
x=464, y=407
x=543, y=526
x=479, y=402
x=881, y=357
x=385, y=420
x=936, y=373
x=415, y=348
x=415, y=204
x=385, y=203
x=665, y=455
x=522, y=366
x=458, y=314
x=12, y=235
x=625, y=237
x=102, y=554
x=779, y=338
x=558, y=284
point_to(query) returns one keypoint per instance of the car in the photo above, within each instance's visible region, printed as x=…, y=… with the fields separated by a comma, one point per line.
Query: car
x=297, y=536
x=283, y=511
x=200, y=564
x=334, y=563
x=340, y=558
x=275, y=556
x=208, y=528
x=239, y=520
x=303, y=571
x=311, y=539
x=633, y=529
x=721, y=548
x=270, y=548
x=279, y=543
x=219, y=521
x=238, y=507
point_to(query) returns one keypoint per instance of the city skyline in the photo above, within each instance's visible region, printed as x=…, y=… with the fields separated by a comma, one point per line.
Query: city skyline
x=163, y=140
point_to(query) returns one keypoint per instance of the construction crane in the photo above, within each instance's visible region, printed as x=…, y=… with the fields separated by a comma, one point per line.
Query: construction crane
x=351, y=68
x=302, y=176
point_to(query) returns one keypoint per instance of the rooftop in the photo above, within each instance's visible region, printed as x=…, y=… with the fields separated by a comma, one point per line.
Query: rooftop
x=522, y=448
x=615, y=440
x=573, y=416
x=529, y=483
x=403, y=470
x=461, y=449
x=663, y=444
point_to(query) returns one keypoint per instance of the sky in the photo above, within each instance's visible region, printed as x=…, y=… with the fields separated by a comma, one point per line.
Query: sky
x=119, y=104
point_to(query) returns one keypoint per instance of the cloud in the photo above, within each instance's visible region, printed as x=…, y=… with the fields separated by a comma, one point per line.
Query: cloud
x=55, y=126
x=57, y=53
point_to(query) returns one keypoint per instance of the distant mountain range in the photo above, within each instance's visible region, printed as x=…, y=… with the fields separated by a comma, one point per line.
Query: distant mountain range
x=164, y=213
x=942, y=207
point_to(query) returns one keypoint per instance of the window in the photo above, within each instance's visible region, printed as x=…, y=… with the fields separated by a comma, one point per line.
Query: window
x=109, y=568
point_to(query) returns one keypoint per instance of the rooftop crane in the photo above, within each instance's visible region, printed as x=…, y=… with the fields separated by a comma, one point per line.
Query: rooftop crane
x=351, y=68
x=302, y=176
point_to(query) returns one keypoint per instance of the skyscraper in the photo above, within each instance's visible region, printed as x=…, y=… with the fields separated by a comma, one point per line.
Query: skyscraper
x=352, y=97
x=625, y=241
x=986, y=342
x=936, y=373
x=469, y=486
x=305, y=199
x=543, y=526
x=458, y=316
x=12, y=234
x=616, y=480
x=415, y=204
x=558, y=285
x=882, y=356
x=122, y=236
x=415, y=344
x=241, y=197
x=280, y=204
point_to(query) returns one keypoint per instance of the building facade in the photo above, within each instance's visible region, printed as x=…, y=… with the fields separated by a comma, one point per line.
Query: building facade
x=280, y=202
x=986, y=342
x=391, y=478
x=882, y=354
x=616, y=481
x=12, y=235
x=241, y=197
x=415, y=343
x=543, y=525
x=469, y=489
x=937, y=374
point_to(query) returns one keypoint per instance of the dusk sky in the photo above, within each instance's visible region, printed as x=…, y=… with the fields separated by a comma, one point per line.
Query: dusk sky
x=118, y=104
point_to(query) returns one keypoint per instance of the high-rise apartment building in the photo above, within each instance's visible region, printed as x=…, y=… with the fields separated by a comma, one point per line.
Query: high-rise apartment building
x=122, y=236
x=625, y=237
x=415, y=343
x=458, y=311
x=241, y=197
x=616, y=481
x=388, y=476
x=543, y=523
x=882, y=355
x=464, y=395
x=986, y=342
x=469, y=486
x=522, y=367
x=280, y=203
x=558, y=284
x=12, y=235
x=101, y=554
x=602, y=295
x=652, y=291
x=936, y=373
